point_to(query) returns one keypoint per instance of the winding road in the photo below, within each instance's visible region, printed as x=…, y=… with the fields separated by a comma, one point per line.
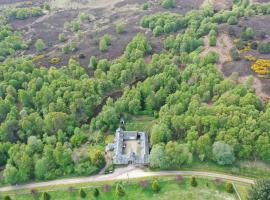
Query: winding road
x=125, y=173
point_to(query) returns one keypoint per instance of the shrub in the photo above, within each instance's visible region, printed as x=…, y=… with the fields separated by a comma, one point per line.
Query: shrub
x=232, y=20
x=66, y=49
x=40, y=45
x=168, y=4
x=155, y=186
x=81, y=56
x=84, y=17
x=229, y=187
x=264, y=47
x=240, y=44
x=193, y=181
x=234, y=54
x=145, y=6
x=254, y=45
x=82, y=193
x=96, y=192
x=107, y=38
x=247, y=34
x=61, y=37
x=73, y=46
x=75, y=26
x=120, y=28
x=46, y=6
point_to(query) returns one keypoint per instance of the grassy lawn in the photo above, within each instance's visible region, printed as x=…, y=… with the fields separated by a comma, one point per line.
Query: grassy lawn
x=140, y=123
x=206, y=190
x=250, y=169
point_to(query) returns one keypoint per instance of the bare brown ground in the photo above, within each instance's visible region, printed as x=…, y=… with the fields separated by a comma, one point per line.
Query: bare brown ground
x=222, y=4
x=224, y=44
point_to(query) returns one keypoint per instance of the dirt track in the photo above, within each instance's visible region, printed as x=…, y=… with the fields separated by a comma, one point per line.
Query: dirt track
x=125, y=173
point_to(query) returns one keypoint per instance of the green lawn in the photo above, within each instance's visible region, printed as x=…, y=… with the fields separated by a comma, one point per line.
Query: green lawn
x=206, y=190
x=140, y=123
x=250, y=169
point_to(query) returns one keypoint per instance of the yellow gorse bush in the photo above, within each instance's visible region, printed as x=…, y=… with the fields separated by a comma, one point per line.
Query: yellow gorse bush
x=261, y=66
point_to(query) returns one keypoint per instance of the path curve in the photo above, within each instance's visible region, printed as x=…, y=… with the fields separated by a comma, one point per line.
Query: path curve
x=125, y=173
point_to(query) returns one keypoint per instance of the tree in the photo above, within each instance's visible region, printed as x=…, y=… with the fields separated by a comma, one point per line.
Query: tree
x=96, y=192
x=103, y=45
x=182, y=150
x=4, y=147
x=45, y=196
x=120, y=28
x=168, y=4
x=11, y=174
x=193, y=181
x=40, y=45
x=204, y=147
x=160, y=133
x=223, y=153
x=155, y=186
x=234, y=54
x=93, y=62
x=97, y=158
x=229, y=187
x=119, y=190
x=260, y=190
x=212, y=41
x=157, y=157
x=82, y=193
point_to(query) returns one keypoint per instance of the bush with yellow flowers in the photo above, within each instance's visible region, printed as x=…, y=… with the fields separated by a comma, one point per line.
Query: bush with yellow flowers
x=246, y=48
x=250, y=58
x=261, y=66
x=38, y=57
x=55, y=60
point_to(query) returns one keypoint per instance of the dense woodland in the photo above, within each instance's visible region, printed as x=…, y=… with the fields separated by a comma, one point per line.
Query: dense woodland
x=46, y=114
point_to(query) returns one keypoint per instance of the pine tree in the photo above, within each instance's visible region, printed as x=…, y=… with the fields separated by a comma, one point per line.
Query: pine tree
x=119, y=190
x=155, y=186
x=45, y=196
x=82, y=193
x=96, y=192
x=193, y=182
